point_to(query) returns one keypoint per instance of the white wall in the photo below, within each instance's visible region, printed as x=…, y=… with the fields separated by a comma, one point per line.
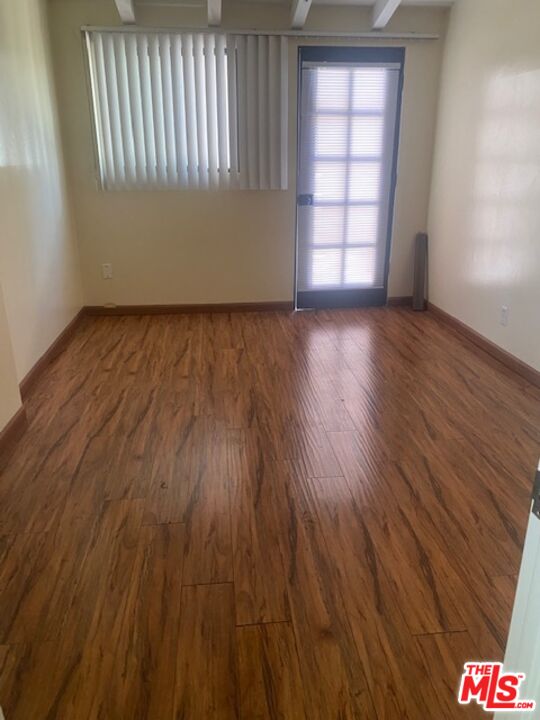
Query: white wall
x=484, y=219
x=39, y=265
x=200, y=246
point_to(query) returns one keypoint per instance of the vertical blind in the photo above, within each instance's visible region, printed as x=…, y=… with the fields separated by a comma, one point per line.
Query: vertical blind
x=347, y=143
x=189, y=109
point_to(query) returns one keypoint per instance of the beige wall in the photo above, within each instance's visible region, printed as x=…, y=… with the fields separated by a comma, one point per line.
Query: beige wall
x=10, y=399
x=39, y=267
x=484, y=220
x=195, y=246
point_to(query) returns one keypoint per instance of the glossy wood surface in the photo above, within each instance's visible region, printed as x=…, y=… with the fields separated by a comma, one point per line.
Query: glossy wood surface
x=262, y=515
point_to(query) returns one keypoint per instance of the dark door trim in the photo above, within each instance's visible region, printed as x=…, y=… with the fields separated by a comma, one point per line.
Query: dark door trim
x=341, y=298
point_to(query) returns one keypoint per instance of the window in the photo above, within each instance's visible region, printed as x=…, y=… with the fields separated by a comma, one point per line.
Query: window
x=194, y=110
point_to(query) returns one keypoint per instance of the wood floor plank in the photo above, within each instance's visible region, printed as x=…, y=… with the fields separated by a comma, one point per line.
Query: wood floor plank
x=45, y=667
x=206, y=685
x=140, y=684
x=7, y=670
x=257, y=510
x=377, y=623
x=14, y=700
x=333, y=674
x=169, y=485
x=505, y=587
x=131, y=475
x=437, y=489
x=19, y=554
x=36, y=609
x=420, y=572
x=110, y=566
x=207, y=517
x=69, y=675
x=270, y=684
x=420, y=548
x=449, y=652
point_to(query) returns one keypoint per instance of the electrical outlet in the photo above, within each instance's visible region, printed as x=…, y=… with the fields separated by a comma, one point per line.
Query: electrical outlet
x=106, y=271
x=505, y=310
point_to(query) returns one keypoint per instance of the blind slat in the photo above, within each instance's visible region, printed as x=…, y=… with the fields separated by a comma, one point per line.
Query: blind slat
x=128, y=145
x=274, y=129
x=114, y=110
x=146, y=106
x=168, y=109
x=262, y=87
x=177, y=73
x=284, y=109
x=158, y=109
x=222, y=109
x=191, y=111
x=211, y=109
x=103, y=120
x=252, y=112
x=232, y=69
x=135, y=107
x=200, y=103
x=242, y=99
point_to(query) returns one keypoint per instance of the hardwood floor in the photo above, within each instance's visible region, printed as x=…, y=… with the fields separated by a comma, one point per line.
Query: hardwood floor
x=262, y=515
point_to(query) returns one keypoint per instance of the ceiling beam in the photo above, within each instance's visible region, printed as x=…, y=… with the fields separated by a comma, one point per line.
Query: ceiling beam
x=126, y=10
x=214, y=13
x=299, y=13
x=382, y=12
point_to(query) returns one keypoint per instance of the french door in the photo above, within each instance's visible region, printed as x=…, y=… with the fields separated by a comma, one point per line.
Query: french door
x=350, y=101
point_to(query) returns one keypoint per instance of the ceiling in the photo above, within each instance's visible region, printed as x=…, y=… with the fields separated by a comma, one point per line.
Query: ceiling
x=382, y=10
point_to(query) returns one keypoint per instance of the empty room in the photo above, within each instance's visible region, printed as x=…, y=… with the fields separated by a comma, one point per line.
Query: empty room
x=269, y=359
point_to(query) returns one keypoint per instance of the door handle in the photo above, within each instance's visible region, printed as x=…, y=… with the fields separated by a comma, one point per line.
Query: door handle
x=304, y=200
x=536, y=494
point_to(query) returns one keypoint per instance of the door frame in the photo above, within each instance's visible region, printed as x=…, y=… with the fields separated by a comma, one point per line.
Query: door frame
x=319, y=299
